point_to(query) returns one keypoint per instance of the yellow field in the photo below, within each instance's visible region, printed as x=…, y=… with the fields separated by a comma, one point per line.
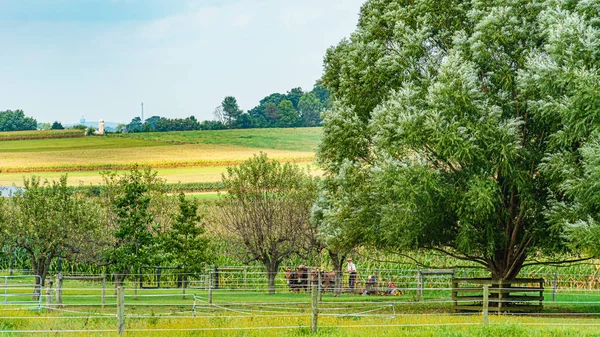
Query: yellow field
x=158, y=156
x=84, y=158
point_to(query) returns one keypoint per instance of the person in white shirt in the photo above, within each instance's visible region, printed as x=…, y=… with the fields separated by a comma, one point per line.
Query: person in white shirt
x=351, y=269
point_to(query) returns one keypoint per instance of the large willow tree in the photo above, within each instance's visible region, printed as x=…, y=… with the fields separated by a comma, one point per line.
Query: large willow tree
x=463, y=127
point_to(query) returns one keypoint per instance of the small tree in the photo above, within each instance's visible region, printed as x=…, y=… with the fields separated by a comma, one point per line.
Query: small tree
x=135, y=232
x=231, y=110
x=219, y=115
x=267, y=209
x=57, y=126
x=48, y=221
x=185, y=242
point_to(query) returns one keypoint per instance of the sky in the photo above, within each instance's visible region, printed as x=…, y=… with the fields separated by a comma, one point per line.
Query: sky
x=63, y=59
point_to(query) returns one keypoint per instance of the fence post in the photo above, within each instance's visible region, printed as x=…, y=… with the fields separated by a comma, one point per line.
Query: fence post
x=245, y=274
x=103, y=289
x=500, y=296
x=194, y=307
x=121, y=310
x=6, y=288
x=183, y=285
x=210, y=286
x=216, y=276
x=315, y=307
x=320, y=285
x=12, y=265
x=486, y=293
x=454, y=293
x=135, y=286
x=420, y=285
x=48, y=295
x=554, y=288
x=58, y=294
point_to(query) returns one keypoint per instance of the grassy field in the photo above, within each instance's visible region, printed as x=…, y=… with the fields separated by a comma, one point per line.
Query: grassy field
x=291, y=139
x=196, y=156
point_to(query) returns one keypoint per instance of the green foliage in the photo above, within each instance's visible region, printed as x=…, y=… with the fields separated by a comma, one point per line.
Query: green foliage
x=136, y=233
x=57, y=126
x=135, y=125
x=231, y=109
x=16, y=121
x=462, y=126
x=185, y=243
x=310, y=109
x=267, y=209
x=48, y=222
x=79, y=127
x=287, y=116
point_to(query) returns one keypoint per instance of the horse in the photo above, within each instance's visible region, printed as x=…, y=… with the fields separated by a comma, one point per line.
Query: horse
x=327, y=279
x=303, y=277
x=291, y=277
x=297, y=279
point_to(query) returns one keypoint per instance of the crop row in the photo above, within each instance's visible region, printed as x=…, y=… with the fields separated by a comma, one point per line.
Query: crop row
x=96, y=190
x=39, y=134
x=128, y=166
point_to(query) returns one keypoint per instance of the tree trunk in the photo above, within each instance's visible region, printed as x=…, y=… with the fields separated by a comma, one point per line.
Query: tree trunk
x=40, y=267
x=272, y=269
x=337, y=259
x=121, y=276
x=503, y=268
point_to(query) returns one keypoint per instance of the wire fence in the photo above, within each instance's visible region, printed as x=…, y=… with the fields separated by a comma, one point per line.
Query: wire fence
x=237, y=300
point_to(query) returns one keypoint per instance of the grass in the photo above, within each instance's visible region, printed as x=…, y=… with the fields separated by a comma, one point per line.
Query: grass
x=62, y=144
x=291, y=139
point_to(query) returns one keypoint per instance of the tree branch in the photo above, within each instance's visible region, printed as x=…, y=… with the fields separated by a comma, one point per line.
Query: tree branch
x=464, y=257
x=421, y=264
x=555, y=263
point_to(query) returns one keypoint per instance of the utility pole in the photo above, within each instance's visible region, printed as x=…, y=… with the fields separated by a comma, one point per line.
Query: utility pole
x=142, y=112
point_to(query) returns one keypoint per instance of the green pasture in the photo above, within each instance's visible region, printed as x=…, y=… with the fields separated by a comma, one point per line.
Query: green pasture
x=291, y=139
x=86, y=143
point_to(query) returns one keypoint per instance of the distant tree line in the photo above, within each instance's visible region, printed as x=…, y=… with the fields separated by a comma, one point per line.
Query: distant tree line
x=16, y=121
x=295, y=108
